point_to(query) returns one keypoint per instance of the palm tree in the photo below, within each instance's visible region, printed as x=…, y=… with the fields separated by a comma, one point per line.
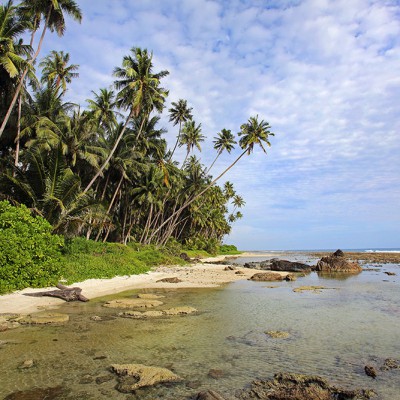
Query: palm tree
x=52, y=11
x=56, y=71
x=224, y=141
x=191, y=138
x=140, y=92
x=102, y=108
x=253, y=132
x=178, y=113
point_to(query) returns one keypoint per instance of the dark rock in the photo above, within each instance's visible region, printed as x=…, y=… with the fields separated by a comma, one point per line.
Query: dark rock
x=263, y=265
x=37, y=394
x=289, y=266
x=100, y=358
x=239, y=273
x=370, y=371
x=170, y=280
x=193, y=384
x=209, y=395
x=267, y=276
x=290, y=277
x=337, y=262
x=185, y=257
x=338, y=253
x=390, y=273
x=287, y=386
x=216, y=373
x=229, y=268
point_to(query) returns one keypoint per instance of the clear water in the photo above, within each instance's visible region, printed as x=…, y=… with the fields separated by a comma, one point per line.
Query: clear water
x=334, y=333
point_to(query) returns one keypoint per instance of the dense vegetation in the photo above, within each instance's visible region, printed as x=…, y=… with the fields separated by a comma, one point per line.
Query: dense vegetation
x=104, y=171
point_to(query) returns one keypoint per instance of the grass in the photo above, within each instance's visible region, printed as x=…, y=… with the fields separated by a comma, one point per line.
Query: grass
x=85, y=259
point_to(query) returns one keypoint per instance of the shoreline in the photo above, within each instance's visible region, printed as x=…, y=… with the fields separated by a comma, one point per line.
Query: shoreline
x=200, y=275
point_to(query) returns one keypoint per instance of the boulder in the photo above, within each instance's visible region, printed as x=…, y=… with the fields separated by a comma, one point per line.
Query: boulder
x=288, y=386
x=170, y=280
x=44, y=318
x=370, y=371
x=133, y=303
x=135, y=376
x=208, y=395
x=267, y=276
x=289, y=266
x=337, y=262
x=263, y=265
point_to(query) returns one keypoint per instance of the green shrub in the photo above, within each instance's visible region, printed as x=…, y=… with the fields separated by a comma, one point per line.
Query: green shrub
x=228, y=249
x=29, y=252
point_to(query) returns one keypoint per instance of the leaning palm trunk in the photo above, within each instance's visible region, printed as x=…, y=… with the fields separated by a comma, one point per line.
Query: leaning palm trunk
x=190, y=201
x=26, y=70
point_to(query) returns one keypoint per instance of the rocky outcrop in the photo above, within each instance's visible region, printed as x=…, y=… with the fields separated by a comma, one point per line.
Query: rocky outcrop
x=135, y=376
x=289, y=266
x=133, y=303
x=267, y=276
x=337, y=262
x=184, y=310
x=263, y=265
x=286, y=386
x=44, y=318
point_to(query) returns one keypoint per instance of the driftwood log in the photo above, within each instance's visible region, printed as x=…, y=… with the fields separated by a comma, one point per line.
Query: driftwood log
x=64, y=292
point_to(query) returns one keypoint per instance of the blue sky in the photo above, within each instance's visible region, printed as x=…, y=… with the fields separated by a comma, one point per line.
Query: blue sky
x=324, y=74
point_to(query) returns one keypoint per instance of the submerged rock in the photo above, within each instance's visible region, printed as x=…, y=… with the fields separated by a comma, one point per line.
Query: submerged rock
x=37, y=394
x=27, y=364
x=389, y=364
x=133, y=303
x=286, y=386
x=370, y=371
x=267, y=276
x=9, y=321
x=208, y=395
x=184, y=310
x=149, y=296
x=278, y=334
x=135, y=376
x=337, y=262
x=45, y=318
x=216, y=373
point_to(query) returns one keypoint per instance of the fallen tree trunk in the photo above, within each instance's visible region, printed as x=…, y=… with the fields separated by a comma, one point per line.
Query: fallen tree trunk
x=64, y=292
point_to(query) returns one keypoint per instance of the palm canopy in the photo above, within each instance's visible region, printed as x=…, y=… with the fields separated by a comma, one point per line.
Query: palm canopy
x=254, y=132
x=56, y=71
x=180, y=112
x=224, y=141
x=11, y=51
x=191, y=136
x=102, y=108
x=138, y=86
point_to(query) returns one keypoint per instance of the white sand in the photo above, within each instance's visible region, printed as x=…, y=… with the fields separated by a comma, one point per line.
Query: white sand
x=193, y=276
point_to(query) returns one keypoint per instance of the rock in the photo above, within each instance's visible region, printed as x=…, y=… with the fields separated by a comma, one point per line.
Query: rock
x=99, y=358
x=9, y=321
x=142, y=375
x=208, y=395
x=337, y=262
x=133, y=303
x=290, y=277
x=389, y=364
x=86, y=379
x=263, y=265
x=390, y=273
x=96, y=318
x=370, y=371
x=229, y=268
x=27, y=364
x=286, y=386
x=316, y=289
x=239, y=273
x=216, y=373
x=278, y=334
x=185, y=257
x=193, y=384
x=149, y=296
x=170, y=280
x=45, y=318
x=184, y=310
x=267, y=276
x=289, y=266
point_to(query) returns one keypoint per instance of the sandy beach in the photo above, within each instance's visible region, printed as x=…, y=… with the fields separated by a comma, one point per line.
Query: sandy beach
x=202, y=274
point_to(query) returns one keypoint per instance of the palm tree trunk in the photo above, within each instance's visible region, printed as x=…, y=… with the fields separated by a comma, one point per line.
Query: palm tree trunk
x=215, y=159
x=17, y=139
x=21, y=82
x=110, y=155
x=198, y=195
x=177, y=141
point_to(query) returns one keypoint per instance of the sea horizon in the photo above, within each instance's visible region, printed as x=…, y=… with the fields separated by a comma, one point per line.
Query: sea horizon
x=357, y=250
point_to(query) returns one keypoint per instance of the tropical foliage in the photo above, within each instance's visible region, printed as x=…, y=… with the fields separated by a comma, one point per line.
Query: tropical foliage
x=104, y=170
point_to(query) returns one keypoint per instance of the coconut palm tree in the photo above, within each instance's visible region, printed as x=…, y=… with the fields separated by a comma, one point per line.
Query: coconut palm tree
x=191, y=137
x=56, y=71
x=102, y=108
x=253, y=132
x=139, y=92
x=224, y=141
x=52, y=14
x=178, y=114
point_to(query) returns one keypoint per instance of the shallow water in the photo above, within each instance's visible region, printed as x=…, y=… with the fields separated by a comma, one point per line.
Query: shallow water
x=334, y=333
